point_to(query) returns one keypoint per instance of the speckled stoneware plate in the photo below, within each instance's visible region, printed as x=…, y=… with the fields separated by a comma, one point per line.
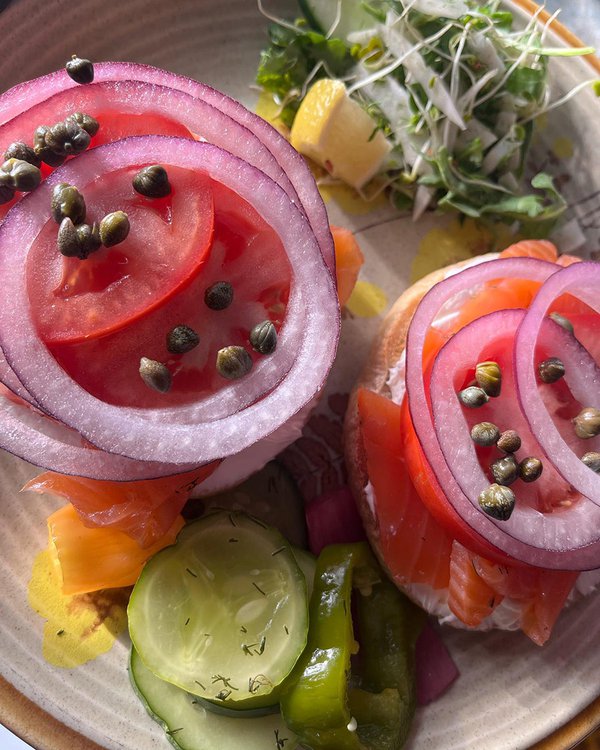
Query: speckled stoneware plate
x=70, y=689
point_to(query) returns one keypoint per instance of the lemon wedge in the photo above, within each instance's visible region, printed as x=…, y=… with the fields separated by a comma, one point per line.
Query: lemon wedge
x=337, y=133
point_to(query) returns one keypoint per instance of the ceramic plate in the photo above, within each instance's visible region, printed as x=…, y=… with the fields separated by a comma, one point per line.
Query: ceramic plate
x=71, y=689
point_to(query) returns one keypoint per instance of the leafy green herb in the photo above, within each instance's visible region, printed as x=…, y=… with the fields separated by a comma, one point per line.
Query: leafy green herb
x=295, y=55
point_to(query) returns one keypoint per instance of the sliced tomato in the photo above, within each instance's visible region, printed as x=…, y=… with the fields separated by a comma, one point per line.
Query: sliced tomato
x=245, y=252
x=77, y=300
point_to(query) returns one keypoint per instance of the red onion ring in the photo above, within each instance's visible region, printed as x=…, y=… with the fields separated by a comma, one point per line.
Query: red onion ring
x=150, y=436
x=566, y=539
x=581, y=374
x=417, y=393
x=25, y=95
x=30, y=435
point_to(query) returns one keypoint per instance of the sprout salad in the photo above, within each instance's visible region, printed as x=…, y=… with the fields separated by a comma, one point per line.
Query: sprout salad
x=451, y=83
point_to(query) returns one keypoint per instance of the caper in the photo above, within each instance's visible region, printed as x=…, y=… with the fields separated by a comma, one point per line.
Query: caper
x=20, y=150
x=67, y=240
x=78, y=139
x=85, y=121
x=587, y=423
x=263, y=337
x=77, y=242
x=473, y=397
x=155, y=375
x=153, y=182
x=489, y=377
x=24, y=177
x=219, y=295
x=509, y=441
x=41, y=148
x=80, y=69
x=485, y=433
x=89, y=239
x=233, y=362
x=67, y=201
x=66, y=138
x=551, y=370
x=505, y=470
x=497, y=501
x=114, y=228
x=562, y=321
x=530, y=469
x=182, y=339
x=592, y=460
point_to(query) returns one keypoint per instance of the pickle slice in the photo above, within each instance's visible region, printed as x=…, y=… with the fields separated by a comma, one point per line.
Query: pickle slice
x=189, y=726
x=223, y=613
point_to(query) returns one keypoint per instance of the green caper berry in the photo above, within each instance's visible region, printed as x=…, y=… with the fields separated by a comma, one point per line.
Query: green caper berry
x=530, y=469
x=67, y=239
x=41, y=148
x=485, y=433
x=489, y=377
x=587, y=423
x=473, y=397
x=551, y=370
x=497, y=501
x=67, y=201
x=233, y=362
x=24, y=177
x=505, y=470
x=592, y=461
x=114, y=228
x=155, y=375
x=562, y=321
x=219, y=296
x=182, y=339
x=85, y=121
x=263, y=337
x=509, y=441
x=89, y=239
x=152, y=182
x=20, y=150
x=80, y=69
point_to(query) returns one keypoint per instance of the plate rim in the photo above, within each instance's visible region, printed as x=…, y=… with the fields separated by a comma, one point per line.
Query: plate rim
x=34, y=725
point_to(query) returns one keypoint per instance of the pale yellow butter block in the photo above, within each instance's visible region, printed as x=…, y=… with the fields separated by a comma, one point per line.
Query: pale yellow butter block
x=337, y=133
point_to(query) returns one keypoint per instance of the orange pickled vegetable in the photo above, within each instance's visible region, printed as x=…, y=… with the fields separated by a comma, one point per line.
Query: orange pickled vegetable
x=91, y=559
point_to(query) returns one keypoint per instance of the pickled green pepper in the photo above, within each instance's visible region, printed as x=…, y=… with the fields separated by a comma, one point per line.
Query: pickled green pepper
x=345, y=695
